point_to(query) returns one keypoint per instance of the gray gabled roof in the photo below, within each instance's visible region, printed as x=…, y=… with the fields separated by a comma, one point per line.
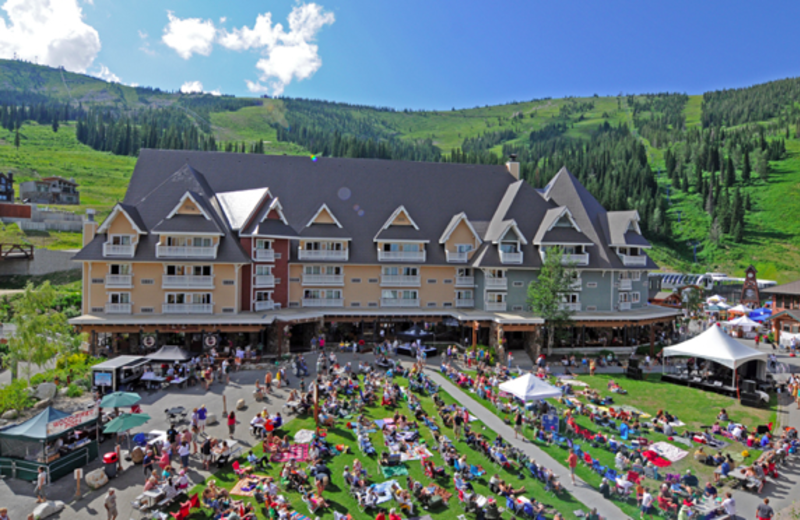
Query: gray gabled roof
x=787, y=288
x=187, y=224
x=549, y=234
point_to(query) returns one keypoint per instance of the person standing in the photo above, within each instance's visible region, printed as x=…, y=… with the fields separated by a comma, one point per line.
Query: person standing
x=647, y=504
x=147, y=464
x=184, y=450
x=509, y=357
x=764, y=511
x=226, y=369
x=729, y=506
x=517, y=423
x=41, y=482
x=572, y=462
x=202, y=413
x=111, y=504
x=205, y=451
x=231, y=423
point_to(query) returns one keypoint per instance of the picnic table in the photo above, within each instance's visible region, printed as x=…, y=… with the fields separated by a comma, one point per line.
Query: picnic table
x=233, y=445
x=180, y=382
x=152, y=380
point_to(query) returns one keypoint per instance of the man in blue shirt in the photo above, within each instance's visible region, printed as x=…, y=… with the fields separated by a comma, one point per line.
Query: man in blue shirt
x=722, y=470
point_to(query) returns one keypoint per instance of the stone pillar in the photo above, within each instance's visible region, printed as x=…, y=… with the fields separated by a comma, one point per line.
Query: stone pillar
x=273, y=338
x=532, y=343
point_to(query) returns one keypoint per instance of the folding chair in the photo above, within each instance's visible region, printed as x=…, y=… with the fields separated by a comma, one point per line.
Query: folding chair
x=182, y=513
x=240, y=472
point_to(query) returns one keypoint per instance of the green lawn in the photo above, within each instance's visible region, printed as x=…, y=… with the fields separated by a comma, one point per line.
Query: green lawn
x=339, y=496
x=694, y=407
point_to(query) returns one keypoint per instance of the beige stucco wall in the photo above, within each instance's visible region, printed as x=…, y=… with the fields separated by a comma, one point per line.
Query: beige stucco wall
x=121, y=226
x=461, y=235
x=154, y=295
x=188, y=208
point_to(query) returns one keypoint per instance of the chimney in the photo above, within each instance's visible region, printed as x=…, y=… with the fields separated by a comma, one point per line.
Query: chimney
x=89, y=227
x=513, y=165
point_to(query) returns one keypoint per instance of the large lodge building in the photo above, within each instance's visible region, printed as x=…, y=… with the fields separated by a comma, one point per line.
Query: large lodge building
x=274, y=249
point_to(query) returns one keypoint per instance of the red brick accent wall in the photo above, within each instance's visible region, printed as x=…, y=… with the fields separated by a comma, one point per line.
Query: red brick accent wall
x=15, y=211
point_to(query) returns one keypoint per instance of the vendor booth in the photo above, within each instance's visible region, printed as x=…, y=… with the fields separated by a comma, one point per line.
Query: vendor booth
x=415, y=333
x=118, y=374
x=169, y=354
x=59, y=441
x=743, y=327
x=714, y=361
x=530, y=388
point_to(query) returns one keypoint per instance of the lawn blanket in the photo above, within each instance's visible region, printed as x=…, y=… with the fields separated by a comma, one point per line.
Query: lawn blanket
x=246, y=487
x=385, y=423
x=298, y=452
x=668, y=451
x=418, y=453
x=303, y=436
x=294, y=515
x=384, y=491
x=394, y=471
x=656, y=459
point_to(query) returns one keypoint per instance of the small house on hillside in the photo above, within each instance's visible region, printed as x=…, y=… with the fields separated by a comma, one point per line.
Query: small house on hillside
x=50, y=190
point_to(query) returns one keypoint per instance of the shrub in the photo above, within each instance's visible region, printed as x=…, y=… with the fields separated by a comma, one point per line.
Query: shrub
x=15, y=396
x=83, y=383
x=38, y=379
x=74, y=390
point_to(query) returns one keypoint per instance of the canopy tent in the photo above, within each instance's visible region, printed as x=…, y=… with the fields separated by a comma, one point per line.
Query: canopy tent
x=760, y=314
x=168, y=354
x=744, y=323
x=714, y=345
x=119, y=400
x=36, y=426
x=715, y=308
x=530, y=388
x=715, y=299
x=415, y=333
x=739, y=308
x=787, y=337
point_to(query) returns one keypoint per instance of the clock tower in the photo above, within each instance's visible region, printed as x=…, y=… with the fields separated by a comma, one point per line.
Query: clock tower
x=750, y=288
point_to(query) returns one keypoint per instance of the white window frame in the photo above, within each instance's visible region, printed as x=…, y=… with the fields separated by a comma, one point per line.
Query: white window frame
x=262, y=242
x=120, y=236
x=189, y=298
x=635, y=297
x=266, y=268
x=120, y=297
x=624, y=297
x=400, y=294
x=496, y=297
x=123, y=269
x=464, y=248
x=465, y=294
x=571, y=298
x=262, y=294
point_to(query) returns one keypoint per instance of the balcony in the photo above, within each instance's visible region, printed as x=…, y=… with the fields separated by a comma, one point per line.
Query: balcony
x=163, y=251
x=624, y=306
x=625, y=284
x=511, y=258
x=400, y=281
x=187, y=308
x=638, y=260
x=170, y=281
x=465, y=281
x=401, y=256
x=576, y=285
x=118, y=308
x=465, y=302
x=496, y=283
x=572, y=307
x=575, y=259
x=399, y=302
x=264, y=305
x=119, y=281
x=495, y=306
x=323, y=279
x=323, y=302
x=264, y=255
x=456, y=258
x=118, y=250
x=264, y=280
x=321, y=254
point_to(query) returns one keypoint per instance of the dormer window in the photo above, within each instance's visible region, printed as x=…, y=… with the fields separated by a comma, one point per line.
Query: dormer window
x=119, y=245
x=632, y=256
x=510, y=252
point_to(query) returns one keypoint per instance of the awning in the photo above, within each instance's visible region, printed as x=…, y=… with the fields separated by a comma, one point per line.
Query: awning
x=530, y=388
x=169, y=353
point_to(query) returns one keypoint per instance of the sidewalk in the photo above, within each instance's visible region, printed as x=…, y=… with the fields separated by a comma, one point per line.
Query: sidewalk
x=582, y=492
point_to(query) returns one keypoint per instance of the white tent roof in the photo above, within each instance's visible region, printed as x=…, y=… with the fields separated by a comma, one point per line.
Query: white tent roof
x=744, y=321
x=718, y=347
x=530, y=388
x=716, y=298
x=739, y=308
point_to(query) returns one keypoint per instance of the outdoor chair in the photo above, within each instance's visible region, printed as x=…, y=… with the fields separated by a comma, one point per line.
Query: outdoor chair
x=182, y=513
x=650, y=473
x=240, y=472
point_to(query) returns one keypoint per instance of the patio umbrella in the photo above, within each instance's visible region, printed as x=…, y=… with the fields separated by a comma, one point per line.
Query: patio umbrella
x=120, y=400
x=126, y=422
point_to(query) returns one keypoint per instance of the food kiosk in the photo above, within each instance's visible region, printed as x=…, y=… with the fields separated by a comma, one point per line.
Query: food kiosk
x=59, y=441
x=118, y=373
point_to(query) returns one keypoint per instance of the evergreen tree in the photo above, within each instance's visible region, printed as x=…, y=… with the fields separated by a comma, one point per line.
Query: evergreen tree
x=55, y=122
x=738, y=233
x=715, y=232
x=746, y=167
x=762, y=166
x=730, y=173
x=16, y=138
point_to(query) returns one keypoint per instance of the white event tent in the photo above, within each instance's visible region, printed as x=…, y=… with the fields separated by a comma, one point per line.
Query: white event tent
x=530, y=388
x=714, y=345
x=744, y=322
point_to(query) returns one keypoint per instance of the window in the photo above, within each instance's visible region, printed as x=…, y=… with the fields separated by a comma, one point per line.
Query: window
x=573, y=250
x=263, y=244
x=193, y=298
x=464, y=271
x=322, y=294
x=630, y=275
x=636, y=276
x=122, y=269
x=322, y=269
x=496, y=297
x=399, y=295
x=463, y=248
x=464, y=295
x=263, y=270
x=121, y=297
x=401, y=247
x=201, y=241
x=635, y=297
x=563, y=222
x=323, y=246
x=263, y=296
x=121, y=240
x=624, y=297
x=400, y=271
x=188, y=270
x=178, y=241
x=509, y=247
x=570, y=298
x=496, y=273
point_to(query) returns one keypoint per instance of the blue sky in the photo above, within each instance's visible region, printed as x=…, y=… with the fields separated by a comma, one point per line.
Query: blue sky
x=414, y=54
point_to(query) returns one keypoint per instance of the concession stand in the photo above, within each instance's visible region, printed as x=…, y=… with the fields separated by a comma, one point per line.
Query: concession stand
x=119, y=373
x=59, y=441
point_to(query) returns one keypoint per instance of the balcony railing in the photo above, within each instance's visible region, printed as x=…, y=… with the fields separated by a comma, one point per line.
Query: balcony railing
x=264, y=255
x=510, y=258
x=118, y=308
x=264, y=280
x=625, y=284
x=323, y=302
x=633, y=260
x=174, y=281
x=496, y=283
x=264, y=305
x=465, y=302
x=399, y=302
x=187, y=308
x=624, y=306
x=389, y=280
x=494, y=306
x=401, y=256
x=576, y=285
x=457, y=257
x=119, y=281
x=465, y=281
x=571, y=259
x=574, y=307
x=118, y=250
x=322, y=254
x=164, y=251
x=323, y=279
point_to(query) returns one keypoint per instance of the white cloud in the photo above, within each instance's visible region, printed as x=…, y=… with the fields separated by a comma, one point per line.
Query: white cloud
x=142, y=34
x=189, y=36
x=51, y=32
x=286, y=55
x=106, y=75
x=196, y=87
